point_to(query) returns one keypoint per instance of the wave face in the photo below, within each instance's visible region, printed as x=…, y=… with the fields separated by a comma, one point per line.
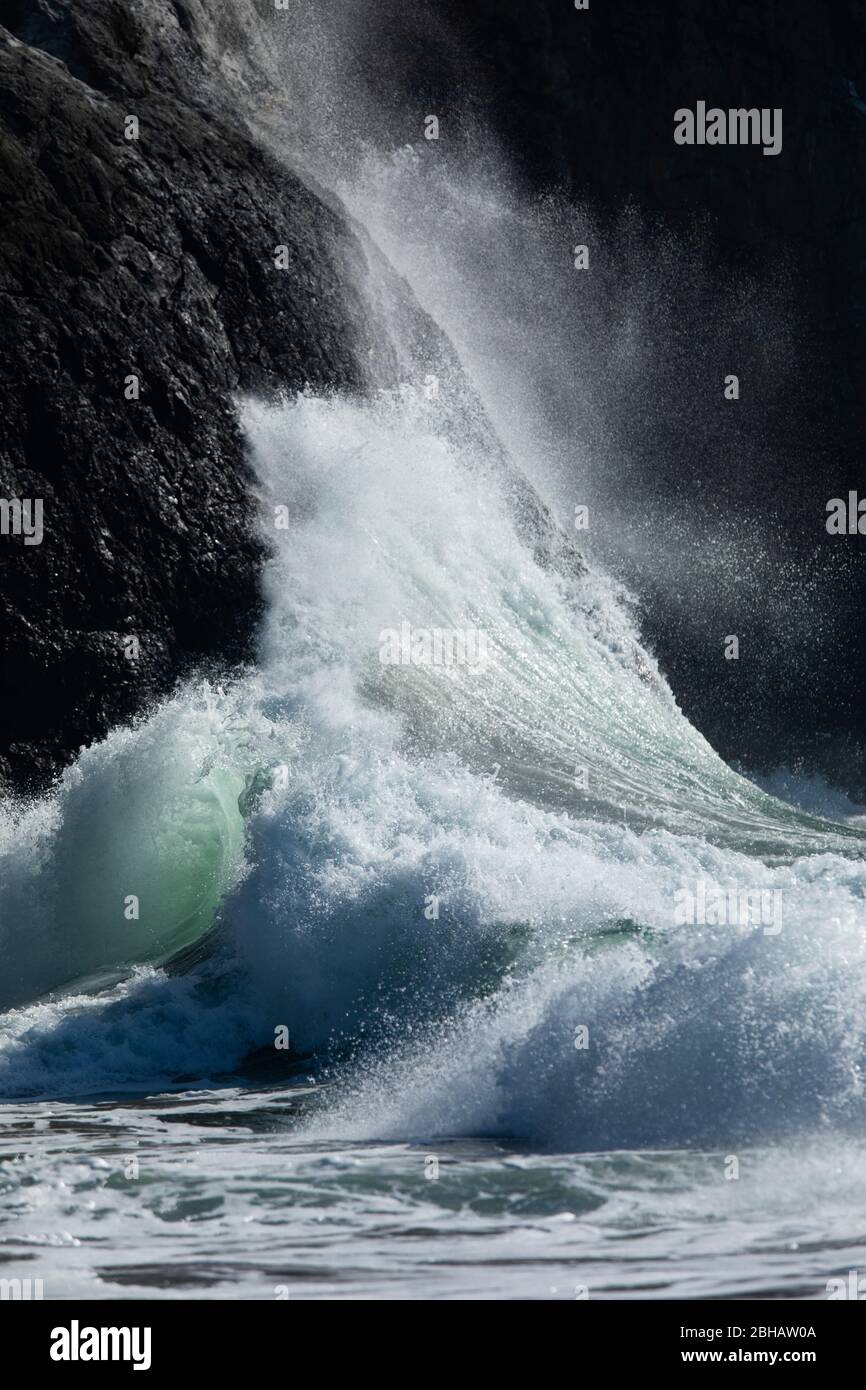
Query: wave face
x=128, y=861
x=450, y=871
x=486, y=893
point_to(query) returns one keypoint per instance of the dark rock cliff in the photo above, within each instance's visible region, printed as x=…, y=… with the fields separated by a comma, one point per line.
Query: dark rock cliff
x=151, y=258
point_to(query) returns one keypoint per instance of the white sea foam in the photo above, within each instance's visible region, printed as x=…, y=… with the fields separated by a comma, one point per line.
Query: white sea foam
x=401, y=789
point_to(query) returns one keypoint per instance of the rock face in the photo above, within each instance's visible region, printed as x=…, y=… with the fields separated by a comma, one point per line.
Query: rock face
x=151, y=258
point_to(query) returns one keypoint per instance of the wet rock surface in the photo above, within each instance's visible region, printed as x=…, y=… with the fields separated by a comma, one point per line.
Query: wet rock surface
x=151, y=258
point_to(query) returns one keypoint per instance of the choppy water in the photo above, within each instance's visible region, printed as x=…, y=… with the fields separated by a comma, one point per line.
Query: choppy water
x=229, y=1202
